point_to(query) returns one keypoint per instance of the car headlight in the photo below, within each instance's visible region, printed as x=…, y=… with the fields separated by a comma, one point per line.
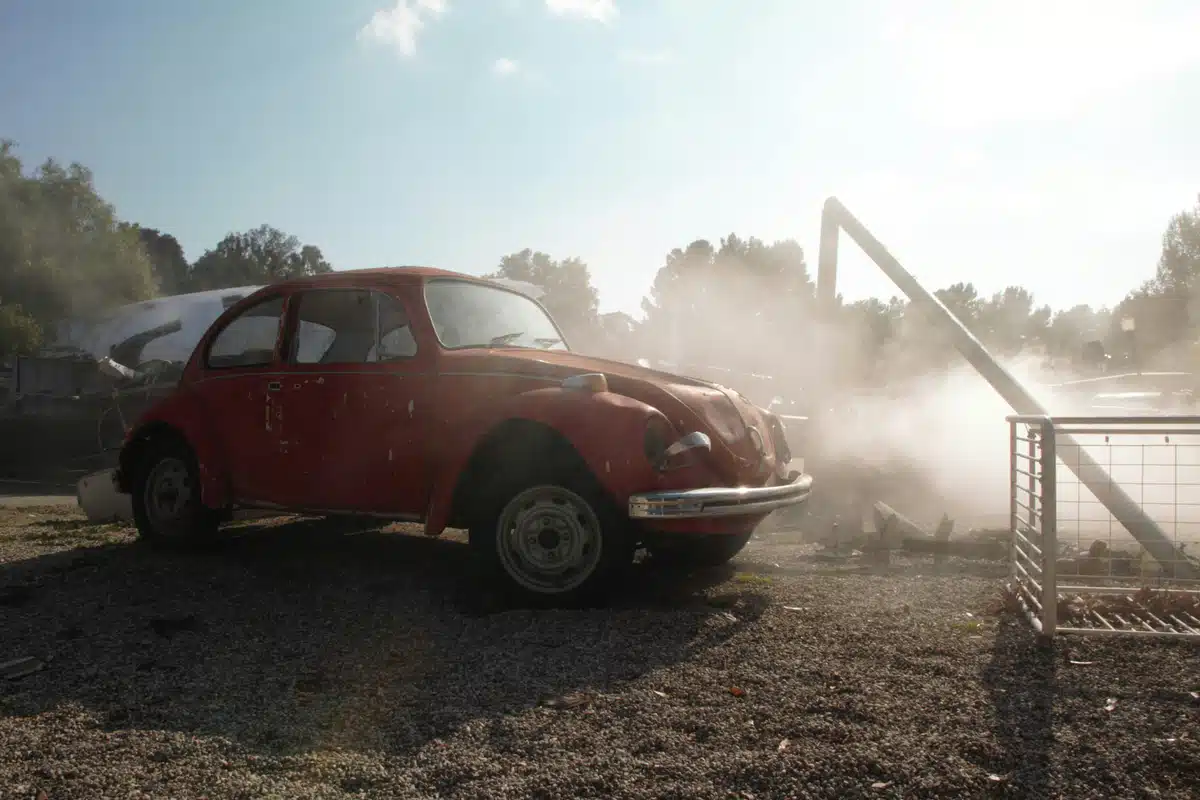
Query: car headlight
x=665, y=449
x=658, y=437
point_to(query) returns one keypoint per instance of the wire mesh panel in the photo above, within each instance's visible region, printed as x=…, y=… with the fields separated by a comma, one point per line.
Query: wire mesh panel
x=1094, y=576
x=1028, y=520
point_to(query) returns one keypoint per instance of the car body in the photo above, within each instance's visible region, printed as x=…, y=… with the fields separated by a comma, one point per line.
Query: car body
x=439, y=398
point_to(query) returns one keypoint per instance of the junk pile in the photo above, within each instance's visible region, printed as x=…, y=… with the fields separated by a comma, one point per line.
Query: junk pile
x=886, y=532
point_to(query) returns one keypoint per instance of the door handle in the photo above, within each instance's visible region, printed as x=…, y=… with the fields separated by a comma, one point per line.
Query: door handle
x=274, y=386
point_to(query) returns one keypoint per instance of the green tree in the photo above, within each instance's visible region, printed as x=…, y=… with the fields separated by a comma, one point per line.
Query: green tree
x=20, y=333
x=1165, y=310
x=1009, y=322
x=962, y=300
x=63, y=252
x=569, y=295
x=729, y=304
x=618, y=336
x=258, y=256
x=1068, y=331
x=167, y=262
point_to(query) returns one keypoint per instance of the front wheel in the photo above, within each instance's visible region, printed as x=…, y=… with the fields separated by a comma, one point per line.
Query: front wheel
x=166, y=498
x=554, y=543
x=698, y=550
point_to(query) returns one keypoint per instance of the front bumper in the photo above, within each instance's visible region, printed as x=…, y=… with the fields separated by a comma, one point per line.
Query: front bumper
x=710, y=502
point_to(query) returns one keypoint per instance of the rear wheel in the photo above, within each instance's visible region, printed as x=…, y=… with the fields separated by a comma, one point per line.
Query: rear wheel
x=166, y=497
x=697, y=550
x=553, y=541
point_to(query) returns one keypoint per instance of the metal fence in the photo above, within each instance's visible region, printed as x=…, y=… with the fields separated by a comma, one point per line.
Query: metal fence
x=1074, y=569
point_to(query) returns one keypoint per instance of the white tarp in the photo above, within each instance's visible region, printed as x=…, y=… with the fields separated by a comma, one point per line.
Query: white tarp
x=195, y=312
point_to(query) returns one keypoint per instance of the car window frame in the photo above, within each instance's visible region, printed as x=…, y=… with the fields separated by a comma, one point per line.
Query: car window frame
x=412, y=331
x=250, y=304
x=566, y=345
x=288, y=351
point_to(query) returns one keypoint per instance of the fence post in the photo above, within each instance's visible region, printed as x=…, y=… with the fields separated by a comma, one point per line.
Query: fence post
x=1014, y=519
x=1049, y=475
x=1033, y=464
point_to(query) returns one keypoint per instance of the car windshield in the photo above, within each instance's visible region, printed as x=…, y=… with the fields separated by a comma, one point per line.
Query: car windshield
x=466, y=314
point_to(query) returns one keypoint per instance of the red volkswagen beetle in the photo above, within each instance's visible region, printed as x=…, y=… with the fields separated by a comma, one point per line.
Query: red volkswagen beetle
x=428, y=396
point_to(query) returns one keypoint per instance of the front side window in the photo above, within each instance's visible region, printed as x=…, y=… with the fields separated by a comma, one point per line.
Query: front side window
x=249, y=339
x=466, y=314
x=350, y=326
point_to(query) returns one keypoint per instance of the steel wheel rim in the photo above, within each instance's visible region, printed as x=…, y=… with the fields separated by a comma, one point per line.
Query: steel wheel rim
x=549, y=540
x=167, y=494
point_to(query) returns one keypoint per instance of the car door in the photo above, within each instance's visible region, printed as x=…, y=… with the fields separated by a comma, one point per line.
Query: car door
x=241, y=390
x=356, y=402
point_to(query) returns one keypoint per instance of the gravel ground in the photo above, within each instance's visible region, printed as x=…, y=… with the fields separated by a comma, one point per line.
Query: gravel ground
x=305, y=659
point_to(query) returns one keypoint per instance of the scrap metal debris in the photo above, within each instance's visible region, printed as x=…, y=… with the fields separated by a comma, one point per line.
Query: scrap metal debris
x=887, y=531
x=1100, y=559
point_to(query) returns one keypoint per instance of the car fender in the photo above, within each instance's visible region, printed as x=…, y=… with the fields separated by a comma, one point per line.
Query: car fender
x=605, y=428
x=182, y=414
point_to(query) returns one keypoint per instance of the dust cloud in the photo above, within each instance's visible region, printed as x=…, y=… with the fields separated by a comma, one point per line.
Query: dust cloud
x=912, y=425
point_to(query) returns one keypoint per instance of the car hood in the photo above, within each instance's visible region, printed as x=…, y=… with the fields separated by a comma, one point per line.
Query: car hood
x=747, y=441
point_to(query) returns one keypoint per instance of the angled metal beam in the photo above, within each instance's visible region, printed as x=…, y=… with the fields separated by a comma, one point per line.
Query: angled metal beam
x=835, y=217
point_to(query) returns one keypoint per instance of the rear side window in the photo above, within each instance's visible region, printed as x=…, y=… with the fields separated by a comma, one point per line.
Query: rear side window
x=350, y=326
x=249, y=338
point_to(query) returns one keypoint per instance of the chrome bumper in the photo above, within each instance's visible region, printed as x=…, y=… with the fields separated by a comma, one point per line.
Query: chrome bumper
x=720, y=501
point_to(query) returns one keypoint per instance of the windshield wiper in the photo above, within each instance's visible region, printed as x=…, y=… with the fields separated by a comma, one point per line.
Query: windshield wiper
x=547, y=342
x=500, y=341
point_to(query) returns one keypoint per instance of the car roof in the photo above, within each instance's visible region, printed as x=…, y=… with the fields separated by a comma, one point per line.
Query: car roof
x=390, y=274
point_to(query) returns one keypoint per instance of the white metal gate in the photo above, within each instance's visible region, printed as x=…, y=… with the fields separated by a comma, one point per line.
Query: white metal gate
x=1074, y=569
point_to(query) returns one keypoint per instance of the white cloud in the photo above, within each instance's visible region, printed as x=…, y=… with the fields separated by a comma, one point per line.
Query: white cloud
x=399, y=26
x=646, y=58
x=974, y=64
x=599, y=10
x=503, y=67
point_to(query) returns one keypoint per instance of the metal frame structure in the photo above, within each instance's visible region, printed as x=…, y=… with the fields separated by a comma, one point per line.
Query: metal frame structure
x=835, y=218
x=1112, y=605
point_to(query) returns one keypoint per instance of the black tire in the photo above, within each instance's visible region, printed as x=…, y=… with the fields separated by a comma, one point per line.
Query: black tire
x=168, y=461
x=564, y=513
x=697, y=550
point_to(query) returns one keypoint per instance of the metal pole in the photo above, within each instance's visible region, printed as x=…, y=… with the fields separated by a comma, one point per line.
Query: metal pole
x=1049, y=473
x=1090, y=473
x=827, y=258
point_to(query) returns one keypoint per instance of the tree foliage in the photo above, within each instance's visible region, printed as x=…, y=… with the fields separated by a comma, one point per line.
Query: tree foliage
x=62, y=250
x=705, y=301
x=569, y=295
x=20, y=333
x=1165, y=310
x=742, y=303
x=258, y=256
x=167, y=263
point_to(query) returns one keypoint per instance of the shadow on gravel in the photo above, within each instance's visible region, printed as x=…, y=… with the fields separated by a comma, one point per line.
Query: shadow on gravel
x=1023, y=683
x=288, y=637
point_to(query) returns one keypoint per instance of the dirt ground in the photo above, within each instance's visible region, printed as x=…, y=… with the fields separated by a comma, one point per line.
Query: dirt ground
x=302, y=658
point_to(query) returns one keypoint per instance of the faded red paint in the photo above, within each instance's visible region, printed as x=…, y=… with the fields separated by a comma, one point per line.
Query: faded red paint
x=392, y=438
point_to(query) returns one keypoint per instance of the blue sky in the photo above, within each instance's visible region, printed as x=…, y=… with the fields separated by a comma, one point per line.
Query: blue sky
x=1044, y=144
